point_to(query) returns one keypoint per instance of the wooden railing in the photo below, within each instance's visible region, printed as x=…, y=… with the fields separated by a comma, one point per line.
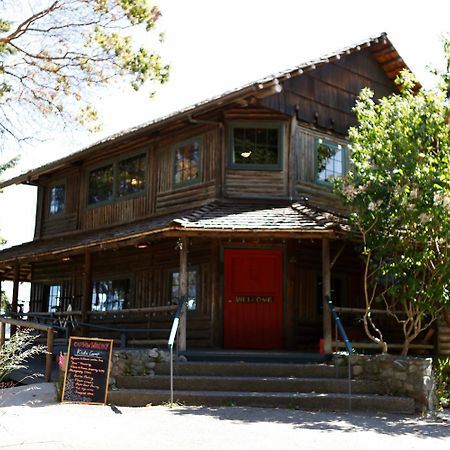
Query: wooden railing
x=35, y=326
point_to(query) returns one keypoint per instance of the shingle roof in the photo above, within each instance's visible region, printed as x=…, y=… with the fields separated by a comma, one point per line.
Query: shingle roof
x=380, y=46
x=261, y=216
x=228, y=217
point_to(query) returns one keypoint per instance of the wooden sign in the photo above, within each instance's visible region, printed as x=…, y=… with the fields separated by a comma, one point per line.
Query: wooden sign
x=254, y=299
x=87, y=370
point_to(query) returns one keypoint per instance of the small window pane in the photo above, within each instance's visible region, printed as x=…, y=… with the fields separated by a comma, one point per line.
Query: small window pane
x=192, y=288
x=187, y=162
x=101, y=185
x=54, y=297
x=256, y=146
x=110, y=295
x=330, y=161
x=57, y=199
x=131, y=175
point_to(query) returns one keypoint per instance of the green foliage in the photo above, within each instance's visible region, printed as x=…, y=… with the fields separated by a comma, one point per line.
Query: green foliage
x=53, y=53
x=398, y=190
x=18, y=351
x=442, y=380
x=4, y=302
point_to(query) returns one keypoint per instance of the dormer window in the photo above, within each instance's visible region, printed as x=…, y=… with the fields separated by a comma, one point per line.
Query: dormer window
x=187, y=157
x=256, y=146
x=330, y=161
x=57, y=196
x=118, y=179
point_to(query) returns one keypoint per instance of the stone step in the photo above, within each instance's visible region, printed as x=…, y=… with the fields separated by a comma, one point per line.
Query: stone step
x=306, y=401
x=261, y=384
x=243, y=369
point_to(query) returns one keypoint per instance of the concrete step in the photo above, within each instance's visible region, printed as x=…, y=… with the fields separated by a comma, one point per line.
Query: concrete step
x=260, y=384
x=243, y=369
x=306, y=401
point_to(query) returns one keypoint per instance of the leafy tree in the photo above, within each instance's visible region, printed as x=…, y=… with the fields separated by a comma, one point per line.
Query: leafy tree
x=398, y=190
x=54, y=54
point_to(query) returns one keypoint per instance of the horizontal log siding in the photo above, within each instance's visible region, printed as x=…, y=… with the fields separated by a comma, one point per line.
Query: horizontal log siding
x=258, y=183
x=168, y=198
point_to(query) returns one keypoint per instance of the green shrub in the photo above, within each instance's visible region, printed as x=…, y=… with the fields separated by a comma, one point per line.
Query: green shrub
x=18, y=351
x=442, y=378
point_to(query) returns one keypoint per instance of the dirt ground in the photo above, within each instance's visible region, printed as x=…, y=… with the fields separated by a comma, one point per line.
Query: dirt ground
x=30, y=418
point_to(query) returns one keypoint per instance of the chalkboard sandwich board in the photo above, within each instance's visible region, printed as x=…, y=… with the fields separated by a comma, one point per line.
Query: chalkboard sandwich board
x=87, y=370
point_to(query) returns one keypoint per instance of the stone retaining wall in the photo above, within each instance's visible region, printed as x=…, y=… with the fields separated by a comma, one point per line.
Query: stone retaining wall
x=404, y=376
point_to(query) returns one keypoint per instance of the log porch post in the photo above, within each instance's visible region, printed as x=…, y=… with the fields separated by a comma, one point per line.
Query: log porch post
x=182, y=293
x=87, y=290
x=326, y=292
x=15, y=296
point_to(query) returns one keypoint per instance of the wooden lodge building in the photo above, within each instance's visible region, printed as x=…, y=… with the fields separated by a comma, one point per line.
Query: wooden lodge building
x=229, y=200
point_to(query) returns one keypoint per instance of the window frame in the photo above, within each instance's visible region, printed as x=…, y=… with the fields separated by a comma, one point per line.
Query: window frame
x=196, y=180
x=113, y=278
x=195, y=269
x=277, y=125
x=115, y=165
x=49, y=198
x=48, y=290
x=335, y=144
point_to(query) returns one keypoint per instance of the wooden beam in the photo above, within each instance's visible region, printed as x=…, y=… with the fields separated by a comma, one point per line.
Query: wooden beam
x=87, y=290
x=184, y=242
x=326, y=292
x=15, y=295
x=49, y=355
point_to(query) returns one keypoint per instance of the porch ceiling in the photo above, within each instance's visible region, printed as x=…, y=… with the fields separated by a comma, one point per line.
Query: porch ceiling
x=217, y=219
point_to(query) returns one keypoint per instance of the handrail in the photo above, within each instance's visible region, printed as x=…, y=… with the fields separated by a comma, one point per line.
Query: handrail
x=348, y=346
x=173, y=334
x=338, y=323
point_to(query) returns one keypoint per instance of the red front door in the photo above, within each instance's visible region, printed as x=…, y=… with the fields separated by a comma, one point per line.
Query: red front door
x=253, y=299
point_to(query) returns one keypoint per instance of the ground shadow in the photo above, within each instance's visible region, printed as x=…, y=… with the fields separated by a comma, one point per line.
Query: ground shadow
x=431, y=426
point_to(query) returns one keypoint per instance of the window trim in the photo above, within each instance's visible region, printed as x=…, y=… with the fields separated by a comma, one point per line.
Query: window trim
x=115, y=164
x=50, y=186
x=47, y=290
x=196, y=180
x=269, y=125
x=197, y=277
x=316, y=159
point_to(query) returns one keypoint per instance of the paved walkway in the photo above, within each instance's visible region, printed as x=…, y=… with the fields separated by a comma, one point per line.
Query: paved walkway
x=31, y=419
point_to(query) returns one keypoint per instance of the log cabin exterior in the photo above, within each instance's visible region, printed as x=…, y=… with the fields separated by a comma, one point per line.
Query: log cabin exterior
x=228, y=201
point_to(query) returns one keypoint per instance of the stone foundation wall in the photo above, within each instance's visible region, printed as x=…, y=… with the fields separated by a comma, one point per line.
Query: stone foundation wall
x=403, y=376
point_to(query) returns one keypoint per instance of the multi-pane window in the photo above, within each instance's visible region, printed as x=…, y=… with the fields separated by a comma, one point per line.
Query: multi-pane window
x=57, y=199
x=192, y=288
x=101, y=184
x=110, y=295
x=330, y=161
x=53, y=297
x=256, y=146
x=131, y=175
x=187, y=162
x=117, y=180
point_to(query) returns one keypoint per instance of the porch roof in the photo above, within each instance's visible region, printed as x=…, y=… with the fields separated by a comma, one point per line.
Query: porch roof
x=216, y=219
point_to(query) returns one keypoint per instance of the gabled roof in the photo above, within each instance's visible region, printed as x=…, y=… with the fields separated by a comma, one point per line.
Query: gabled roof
x=380, y=47
x=235, y=219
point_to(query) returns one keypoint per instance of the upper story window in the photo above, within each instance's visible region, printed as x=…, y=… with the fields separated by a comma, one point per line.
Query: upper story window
x=330, y=161
x=110, y=295
x=187, y=162
x=117, y=179
x=256, y=146
x=192, y=288
x=57, y=199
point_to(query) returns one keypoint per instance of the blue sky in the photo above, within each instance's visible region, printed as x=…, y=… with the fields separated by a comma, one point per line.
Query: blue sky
x=215, y=46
